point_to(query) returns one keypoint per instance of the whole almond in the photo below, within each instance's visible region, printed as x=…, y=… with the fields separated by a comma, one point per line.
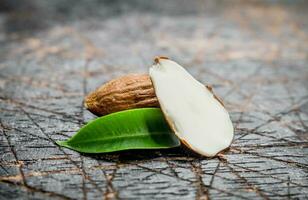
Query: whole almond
x=123, y=93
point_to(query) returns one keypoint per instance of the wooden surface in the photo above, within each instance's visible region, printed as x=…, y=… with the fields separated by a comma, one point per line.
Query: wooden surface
x=254, y=53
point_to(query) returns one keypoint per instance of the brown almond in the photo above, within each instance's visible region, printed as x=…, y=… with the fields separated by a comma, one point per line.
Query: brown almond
x=123, y=93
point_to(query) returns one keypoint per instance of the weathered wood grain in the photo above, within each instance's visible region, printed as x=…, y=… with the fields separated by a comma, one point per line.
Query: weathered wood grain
x=52, y=53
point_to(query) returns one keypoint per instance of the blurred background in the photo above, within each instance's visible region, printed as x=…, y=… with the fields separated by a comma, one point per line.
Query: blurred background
x=215, y=25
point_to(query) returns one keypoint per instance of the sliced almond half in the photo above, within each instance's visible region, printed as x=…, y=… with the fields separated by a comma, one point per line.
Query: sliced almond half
x=198, y=119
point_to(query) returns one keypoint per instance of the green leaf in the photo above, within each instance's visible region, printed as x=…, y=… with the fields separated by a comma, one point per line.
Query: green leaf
x=144, y=128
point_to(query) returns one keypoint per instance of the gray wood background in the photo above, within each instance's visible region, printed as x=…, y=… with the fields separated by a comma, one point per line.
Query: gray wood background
x=254, y=53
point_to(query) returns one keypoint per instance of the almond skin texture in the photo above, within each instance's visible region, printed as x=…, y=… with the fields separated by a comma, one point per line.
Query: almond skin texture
x=123, y=93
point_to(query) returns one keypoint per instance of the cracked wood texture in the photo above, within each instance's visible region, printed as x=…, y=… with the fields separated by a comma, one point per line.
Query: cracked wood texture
x=253, y=53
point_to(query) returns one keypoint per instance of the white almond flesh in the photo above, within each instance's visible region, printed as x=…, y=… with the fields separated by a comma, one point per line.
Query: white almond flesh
x=195, y=115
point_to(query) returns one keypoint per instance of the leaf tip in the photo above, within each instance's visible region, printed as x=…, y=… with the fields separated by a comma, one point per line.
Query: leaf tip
x=61, y=143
